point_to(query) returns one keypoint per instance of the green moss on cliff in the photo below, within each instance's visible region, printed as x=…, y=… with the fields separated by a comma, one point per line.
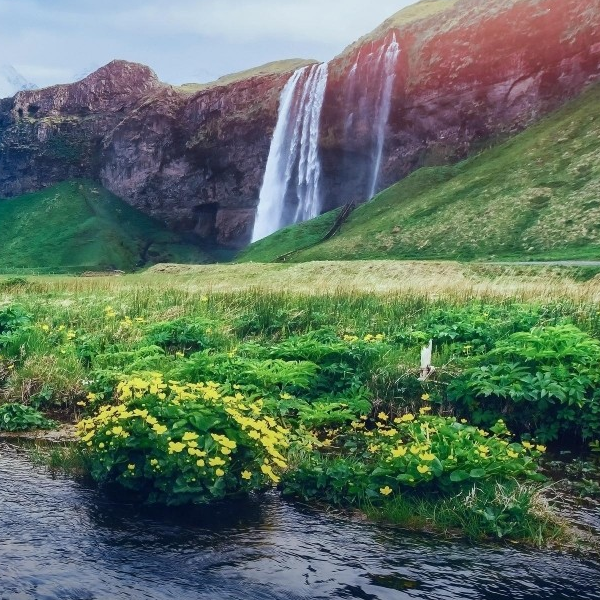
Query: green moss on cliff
x=536, y=196
x=77, y=226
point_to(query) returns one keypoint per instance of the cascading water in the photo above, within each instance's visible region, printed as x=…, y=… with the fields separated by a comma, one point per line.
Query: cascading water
x=368, y=98
x=291, y=186
x=387, y=61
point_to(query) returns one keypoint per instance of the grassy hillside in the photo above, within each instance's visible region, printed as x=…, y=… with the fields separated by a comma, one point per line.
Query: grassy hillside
x=290, y=238
x=535, y=197
x=77, y=226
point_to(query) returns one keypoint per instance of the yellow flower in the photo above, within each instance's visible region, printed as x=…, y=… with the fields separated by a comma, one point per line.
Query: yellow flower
x=382, y=416
x=268, y=470
x=408, y=418
x=160, y=429
x=131, y=467
x=176, y=447
x=154, y=462
x=45, y=327
x=399, y=452
x=541, y=448
x=373, y=448
x=189, y=436
x=117, y=430
x=246, y=475
x=386, y=491
x=527, y=445
x=219, y=472
x=427, y=456
x=425, y=397
x=200, y=462
x=512, y=454
x=425, y=409
x=216, y=462
x=423, y=469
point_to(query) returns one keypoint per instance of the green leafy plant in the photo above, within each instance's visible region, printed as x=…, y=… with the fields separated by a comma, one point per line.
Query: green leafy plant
x=544, y=382
x=186, y=335
x=183, y=443
x=17, y=417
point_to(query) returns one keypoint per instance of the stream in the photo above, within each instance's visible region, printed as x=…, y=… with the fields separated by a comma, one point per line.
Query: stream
x=61, y=539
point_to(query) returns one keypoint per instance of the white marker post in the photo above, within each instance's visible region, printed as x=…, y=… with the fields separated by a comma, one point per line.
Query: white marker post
x=426, y=367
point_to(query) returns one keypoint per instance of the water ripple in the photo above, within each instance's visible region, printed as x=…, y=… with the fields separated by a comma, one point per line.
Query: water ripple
x=61, y=540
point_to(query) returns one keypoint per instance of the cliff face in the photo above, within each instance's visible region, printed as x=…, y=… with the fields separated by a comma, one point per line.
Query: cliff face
x=192, y=158
x=468, y=72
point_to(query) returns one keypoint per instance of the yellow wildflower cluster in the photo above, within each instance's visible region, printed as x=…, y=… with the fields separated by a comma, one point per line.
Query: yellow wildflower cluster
x=416, y=449
x=146, y=402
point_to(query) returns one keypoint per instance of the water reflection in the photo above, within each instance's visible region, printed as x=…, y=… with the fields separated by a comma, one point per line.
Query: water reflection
x=60, y=539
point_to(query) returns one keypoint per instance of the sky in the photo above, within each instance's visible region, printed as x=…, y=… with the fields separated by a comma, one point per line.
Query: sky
x=58, y=41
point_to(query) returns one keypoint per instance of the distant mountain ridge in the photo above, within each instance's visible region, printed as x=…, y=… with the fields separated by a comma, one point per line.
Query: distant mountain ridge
x=11, y=82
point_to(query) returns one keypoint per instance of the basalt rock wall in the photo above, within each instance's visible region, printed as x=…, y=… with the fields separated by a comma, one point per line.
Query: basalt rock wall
x=193, y=159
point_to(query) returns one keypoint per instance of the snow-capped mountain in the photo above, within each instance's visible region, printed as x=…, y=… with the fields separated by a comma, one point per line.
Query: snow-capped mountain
x=11, y=82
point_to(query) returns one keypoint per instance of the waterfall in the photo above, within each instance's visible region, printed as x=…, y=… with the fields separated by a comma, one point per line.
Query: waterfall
x=387, y=66
x=290, y=191
x=368, y=99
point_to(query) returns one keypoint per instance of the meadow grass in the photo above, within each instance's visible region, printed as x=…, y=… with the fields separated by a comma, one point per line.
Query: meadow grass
x=49, y=364
x=273, y=301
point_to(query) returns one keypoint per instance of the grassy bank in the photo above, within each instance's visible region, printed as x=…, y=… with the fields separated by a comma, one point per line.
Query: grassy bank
x=327, y=373
x=535, y=196
x=77, y=226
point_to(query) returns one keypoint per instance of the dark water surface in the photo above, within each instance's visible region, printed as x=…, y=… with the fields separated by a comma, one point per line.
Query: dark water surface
x=62, y=540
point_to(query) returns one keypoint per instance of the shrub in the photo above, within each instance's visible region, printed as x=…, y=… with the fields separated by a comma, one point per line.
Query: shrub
x=475, y=328
x=436, y=453
x=17, y=417
x=545, y=382
x=183, y=334
x=12, y=320
x=183, y=443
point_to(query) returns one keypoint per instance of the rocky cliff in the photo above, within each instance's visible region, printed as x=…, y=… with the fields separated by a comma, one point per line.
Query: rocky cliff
x=468, y=73
x=191, y=156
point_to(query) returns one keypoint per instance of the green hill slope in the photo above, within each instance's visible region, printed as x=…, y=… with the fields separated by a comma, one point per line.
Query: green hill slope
x=77, y=226
x=536, y=196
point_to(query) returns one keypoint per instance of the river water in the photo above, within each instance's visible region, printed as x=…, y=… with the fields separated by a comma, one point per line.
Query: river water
x=62, y=540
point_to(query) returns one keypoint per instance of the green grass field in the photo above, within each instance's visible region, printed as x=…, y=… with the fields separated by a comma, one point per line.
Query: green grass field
x=536, y=196
x=77, y=226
